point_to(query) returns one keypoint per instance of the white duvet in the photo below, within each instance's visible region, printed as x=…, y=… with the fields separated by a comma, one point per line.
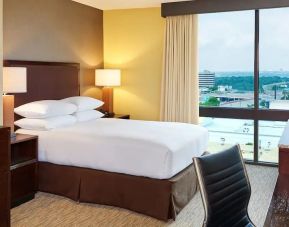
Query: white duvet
x=141, y=148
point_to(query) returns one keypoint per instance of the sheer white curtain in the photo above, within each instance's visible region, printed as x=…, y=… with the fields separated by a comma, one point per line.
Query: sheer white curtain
x=180, y=83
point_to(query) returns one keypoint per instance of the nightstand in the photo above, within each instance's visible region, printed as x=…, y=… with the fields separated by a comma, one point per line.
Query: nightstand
x=119, y=116
x=24, y=149
x=4, y=177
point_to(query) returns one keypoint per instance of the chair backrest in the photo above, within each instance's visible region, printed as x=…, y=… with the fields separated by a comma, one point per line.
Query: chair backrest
x=224, y=187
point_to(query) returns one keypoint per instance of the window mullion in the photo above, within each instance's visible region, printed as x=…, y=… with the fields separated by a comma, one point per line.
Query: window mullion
x=256, y=86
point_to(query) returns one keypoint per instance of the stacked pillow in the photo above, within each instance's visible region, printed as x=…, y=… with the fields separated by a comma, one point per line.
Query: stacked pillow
x=85, y=107
x=51, y=114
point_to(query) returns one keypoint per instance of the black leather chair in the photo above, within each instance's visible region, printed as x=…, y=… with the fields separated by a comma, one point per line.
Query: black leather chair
x=225, y=188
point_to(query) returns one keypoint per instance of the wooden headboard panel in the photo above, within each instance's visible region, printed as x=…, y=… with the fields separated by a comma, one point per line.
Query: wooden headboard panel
x=47, y=80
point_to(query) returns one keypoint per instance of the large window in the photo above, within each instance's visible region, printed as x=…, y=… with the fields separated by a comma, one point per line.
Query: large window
x=274, y=59
x=244, y=80
x=226, y=47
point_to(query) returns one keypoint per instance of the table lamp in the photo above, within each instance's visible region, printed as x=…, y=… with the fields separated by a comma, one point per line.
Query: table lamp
x=14, y=81
x=107, y=78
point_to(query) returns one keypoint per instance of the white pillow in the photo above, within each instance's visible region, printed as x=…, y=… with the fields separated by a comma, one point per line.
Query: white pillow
x=88, y=115
x=45, y=109
x=46, y=124
x=84, y=103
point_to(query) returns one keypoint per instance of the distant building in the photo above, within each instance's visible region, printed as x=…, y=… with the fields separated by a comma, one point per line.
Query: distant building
x=225, y=88
x=279, y=105
x=206, y=79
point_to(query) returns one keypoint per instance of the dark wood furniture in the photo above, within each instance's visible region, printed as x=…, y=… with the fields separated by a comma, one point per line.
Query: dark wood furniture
x=24, y=149
x=120, y=116
x=284, y=159
x=278, y=213
x=284, y=151
x=4, y=177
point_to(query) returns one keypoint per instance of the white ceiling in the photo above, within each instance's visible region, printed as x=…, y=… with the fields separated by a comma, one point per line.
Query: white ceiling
x=123, y=4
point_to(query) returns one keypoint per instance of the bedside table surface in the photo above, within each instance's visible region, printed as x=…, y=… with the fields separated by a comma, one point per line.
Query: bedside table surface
x=22, y=138
x=120, y=115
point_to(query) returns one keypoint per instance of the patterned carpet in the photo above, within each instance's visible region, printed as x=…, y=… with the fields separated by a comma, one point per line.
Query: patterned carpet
x=50, y=210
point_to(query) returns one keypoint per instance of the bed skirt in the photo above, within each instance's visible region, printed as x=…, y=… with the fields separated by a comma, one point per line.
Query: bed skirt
x=161, y=199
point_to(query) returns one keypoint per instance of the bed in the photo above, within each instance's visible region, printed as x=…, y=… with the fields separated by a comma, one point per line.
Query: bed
x=142, y=166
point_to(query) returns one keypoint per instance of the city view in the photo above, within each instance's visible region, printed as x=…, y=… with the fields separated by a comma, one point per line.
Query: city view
x=227, y=55
x=236, y=90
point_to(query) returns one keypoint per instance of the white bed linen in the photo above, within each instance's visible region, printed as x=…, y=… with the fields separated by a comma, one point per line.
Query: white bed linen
x=142, y=148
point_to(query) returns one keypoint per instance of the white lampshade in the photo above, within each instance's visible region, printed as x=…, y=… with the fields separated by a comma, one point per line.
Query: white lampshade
x=107, y=77
x=14, y=80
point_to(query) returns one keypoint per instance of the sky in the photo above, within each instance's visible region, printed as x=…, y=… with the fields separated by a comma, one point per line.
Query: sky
x=226, y=41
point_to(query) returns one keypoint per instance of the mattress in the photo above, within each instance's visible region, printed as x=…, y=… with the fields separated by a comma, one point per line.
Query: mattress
x=151, y=149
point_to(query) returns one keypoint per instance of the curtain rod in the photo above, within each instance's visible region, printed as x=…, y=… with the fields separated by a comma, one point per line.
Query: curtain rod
x=214, y=6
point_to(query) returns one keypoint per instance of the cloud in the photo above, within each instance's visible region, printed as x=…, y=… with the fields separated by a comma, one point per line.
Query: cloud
x=226, y=40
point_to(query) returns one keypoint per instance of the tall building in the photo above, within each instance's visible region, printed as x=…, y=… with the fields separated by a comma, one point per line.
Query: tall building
x=206, y=79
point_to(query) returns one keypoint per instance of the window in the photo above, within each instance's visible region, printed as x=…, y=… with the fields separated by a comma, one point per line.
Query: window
x=226, y=53
x=274, y=59
x=269, y=136
x=244, y=80
x=225, y=133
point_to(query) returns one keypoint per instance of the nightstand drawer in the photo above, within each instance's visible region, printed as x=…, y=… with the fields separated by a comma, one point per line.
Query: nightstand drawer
x=23, y=184
x=23, y=151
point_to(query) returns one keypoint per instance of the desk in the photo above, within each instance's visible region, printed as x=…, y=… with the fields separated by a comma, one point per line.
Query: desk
x=278, y=213
x=284, y=152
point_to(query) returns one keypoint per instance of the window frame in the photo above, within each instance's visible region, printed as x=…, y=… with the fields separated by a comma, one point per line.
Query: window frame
x=256, y=114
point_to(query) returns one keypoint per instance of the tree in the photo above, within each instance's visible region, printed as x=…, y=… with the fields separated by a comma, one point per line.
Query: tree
x=263, y=103
x=215, y=88
x=285, y=95
x=212, y=101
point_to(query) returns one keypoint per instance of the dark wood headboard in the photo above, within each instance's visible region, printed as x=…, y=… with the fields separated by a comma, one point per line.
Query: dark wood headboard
x=47, y=80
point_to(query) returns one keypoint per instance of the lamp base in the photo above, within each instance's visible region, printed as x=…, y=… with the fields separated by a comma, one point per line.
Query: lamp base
x=107, y=98
x=8, y=111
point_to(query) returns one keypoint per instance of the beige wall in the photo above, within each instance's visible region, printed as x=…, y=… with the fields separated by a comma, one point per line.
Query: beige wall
x=62, y=30
x=55, y=30
x=1, y=57
x=133, y=42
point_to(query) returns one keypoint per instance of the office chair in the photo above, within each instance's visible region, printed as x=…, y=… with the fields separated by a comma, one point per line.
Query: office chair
x=225, y=188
